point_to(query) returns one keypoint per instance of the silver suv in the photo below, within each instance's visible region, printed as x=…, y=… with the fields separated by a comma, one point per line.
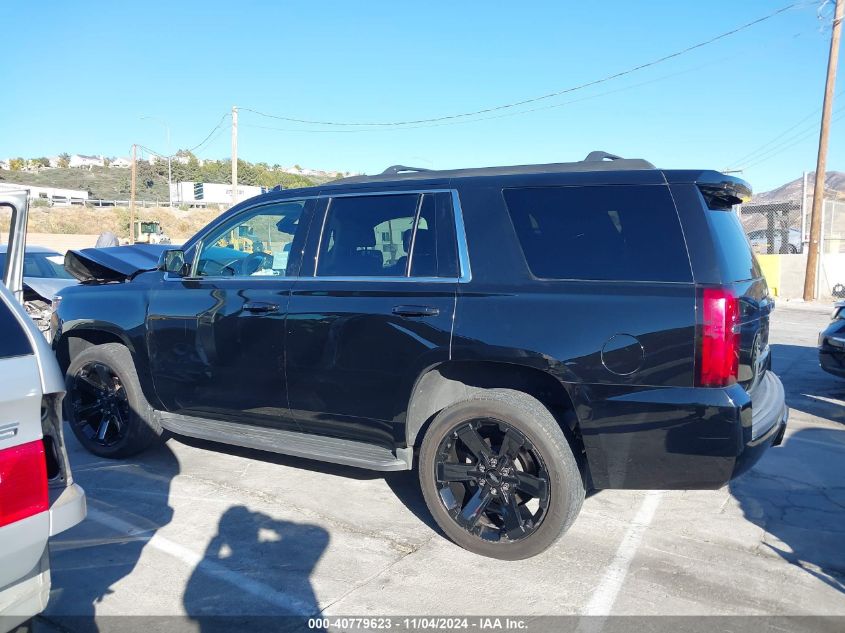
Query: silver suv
x=38, y=498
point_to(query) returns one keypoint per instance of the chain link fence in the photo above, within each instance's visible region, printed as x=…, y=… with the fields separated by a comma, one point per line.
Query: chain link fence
x=775, y=228
x=782, y=228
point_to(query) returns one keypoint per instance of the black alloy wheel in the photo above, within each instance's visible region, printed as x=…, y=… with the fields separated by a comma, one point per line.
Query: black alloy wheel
x=492, y=480
x=100, y=405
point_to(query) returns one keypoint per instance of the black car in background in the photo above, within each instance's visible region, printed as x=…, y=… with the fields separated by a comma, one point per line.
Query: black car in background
x=519, y=334
x=832, y=343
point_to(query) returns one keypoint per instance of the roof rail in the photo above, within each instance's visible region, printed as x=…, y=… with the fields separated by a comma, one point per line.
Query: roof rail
x=598, y=156
x=395, y=170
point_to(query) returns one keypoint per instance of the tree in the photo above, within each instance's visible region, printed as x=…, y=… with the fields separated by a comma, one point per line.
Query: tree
x=41, y=162
x=64, y=159
x=16, y=164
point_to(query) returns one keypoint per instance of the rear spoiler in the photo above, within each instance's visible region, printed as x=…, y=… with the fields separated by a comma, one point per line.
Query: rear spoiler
x=720, y=191
x=724, y=192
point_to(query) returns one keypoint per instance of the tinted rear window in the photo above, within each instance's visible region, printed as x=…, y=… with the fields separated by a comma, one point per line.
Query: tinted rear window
x=13, y=340
x=620, y=232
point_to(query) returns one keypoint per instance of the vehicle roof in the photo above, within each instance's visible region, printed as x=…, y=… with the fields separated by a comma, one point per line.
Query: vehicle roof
x=33, y=249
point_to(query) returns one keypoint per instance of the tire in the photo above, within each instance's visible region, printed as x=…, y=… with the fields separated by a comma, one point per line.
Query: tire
x=544, y=451
x=132, y=424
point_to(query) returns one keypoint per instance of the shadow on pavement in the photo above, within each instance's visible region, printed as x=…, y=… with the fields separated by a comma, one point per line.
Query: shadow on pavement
x=88, y=560
x=404, y=484
x=809, y=389
x=797, y=494
x=254, y=569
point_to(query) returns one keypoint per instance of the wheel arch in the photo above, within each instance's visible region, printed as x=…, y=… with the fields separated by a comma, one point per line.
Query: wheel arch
x=455, y=381
x=72, y=342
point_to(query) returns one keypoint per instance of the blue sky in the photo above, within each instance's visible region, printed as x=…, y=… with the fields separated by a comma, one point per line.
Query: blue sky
x=79, y=76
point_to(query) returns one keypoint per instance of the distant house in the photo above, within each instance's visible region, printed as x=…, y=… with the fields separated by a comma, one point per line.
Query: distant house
x=82, y=161
x=120, y=162
x=5, y=164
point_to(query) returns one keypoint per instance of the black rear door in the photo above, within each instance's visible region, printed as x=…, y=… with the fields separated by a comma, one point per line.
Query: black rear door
x=371, y=310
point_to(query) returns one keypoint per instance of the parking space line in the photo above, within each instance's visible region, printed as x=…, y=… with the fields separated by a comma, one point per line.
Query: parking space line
x=211, y=568
x=605, y=594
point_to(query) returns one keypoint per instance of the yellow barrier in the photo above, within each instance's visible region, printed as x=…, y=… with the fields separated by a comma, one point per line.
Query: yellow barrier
x=770, y=265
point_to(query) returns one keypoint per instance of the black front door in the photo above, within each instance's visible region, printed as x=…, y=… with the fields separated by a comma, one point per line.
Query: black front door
x=372, y=310
x=216, y=339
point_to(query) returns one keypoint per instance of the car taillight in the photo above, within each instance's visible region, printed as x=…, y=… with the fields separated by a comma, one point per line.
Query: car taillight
x=23, y=482
x=719, y=364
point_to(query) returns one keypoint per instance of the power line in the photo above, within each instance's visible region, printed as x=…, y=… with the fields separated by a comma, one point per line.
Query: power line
x=534, y=99
x=789, y=143
x=754, y=153
x=216, y=127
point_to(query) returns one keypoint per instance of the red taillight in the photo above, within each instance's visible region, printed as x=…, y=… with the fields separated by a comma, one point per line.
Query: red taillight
x=719, y=343
x=23, y=482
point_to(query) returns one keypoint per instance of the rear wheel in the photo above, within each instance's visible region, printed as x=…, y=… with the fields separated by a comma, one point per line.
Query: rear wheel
x=499, y=476
x=105, y=406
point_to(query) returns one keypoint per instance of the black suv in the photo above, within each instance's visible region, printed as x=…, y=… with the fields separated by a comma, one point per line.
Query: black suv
x=523, y=334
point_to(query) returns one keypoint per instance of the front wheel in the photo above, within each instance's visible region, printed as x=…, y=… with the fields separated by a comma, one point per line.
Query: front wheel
x=499, y=476
x=104, y=404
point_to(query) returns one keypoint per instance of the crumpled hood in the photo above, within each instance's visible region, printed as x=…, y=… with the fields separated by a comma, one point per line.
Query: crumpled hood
x=117, y=263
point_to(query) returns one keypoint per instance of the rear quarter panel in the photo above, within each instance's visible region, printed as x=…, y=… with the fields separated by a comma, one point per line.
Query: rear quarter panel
x=631, y=421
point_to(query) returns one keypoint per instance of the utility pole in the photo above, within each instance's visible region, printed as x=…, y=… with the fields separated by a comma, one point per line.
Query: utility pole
x=234, y=155
x=169, y=156
x=821, y=163
x=132, y=196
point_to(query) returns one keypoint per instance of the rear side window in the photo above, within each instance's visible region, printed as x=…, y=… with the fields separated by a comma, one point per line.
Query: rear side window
x=389, y=236
x=736, y=259
x=618, y=232
x=13, y=340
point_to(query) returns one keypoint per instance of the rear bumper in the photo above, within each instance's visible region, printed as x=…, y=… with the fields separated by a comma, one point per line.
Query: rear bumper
x=769, y=418
x=680, y=438
x=68, y=509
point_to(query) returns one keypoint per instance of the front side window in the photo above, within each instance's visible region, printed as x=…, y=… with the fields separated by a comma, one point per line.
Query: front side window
x=256, y=243
x=389, y=236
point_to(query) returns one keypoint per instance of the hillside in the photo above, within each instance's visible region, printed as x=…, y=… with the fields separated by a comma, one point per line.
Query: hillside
x=834, y=184
x=112, y=183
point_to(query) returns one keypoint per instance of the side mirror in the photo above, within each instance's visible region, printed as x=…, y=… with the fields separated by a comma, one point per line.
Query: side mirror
x=173, y=262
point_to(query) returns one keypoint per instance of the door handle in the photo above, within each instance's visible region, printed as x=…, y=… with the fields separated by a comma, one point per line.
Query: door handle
x=260, y=307
x=416, y=311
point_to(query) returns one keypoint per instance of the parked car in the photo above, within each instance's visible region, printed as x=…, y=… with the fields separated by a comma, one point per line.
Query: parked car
x=761, y=244
x=44, y=277
x=541, y=331
x=832, y=343
x=38, y=498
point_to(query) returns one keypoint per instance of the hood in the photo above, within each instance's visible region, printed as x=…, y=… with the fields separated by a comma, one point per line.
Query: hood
x=117, y=263
x=47, y=287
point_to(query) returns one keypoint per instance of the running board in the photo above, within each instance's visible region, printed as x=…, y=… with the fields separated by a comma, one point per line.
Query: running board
x=320, y=447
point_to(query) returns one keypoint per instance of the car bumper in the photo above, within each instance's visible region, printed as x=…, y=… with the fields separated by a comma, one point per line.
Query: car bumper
x=680, y=438
x=832, y=354
x=67, y=509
